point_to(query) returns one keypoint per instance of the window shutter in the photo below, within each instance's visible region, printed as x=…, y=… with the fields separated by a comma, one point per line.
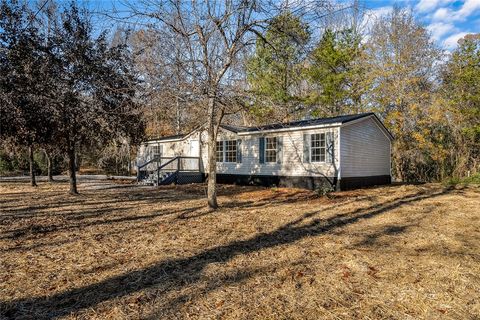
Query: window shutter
x=239, y=150
x=306, y=148
x=279, y=149
x=261, y=149
x=330, y=156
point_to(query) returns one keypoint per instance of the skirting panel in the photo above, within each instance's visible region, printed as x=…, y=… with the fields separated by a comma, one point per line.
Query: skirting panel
x=280, y=181
x=190, y=177
x=305, y=182
x=360, y=182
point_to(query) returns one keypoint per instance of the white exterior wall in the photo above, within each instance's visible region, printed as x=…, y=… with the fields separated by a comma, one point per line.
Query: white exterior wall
x=292, y=155
x=364, y=149
x=361, y=149
x=169, y=149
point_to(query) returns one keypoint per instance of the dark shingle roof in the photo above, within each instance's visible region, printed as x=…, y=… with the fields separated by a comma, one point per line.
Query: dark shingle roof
x=277, y=126
x=176, y=136
x=299, y=124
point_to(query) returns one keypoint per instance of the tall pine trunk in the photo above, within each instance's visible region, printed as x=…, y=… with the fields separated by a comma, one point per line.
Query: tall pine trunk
x=72, y=168
x=32, y=166
x=49, y=166
x=212, y=158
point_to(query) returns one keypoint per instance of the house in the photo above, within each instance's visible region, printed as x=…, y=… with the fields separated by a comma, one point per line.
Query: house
x=348, y=151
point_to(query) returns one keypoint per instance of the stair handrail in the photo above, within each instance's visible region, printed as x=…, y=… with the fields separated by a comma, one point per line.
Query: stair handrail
x=163, y=165
x=168, y=162
x=177, y=158
x=148, y=162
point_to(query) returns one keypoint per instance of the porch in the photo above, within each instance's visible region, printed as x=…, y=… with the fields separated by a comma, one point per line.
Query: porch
x=168, y=170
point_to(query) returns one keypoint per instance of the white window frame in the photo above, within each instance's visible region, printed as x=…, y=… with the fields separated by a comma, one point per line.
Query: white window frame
x=322, y=137
x=230, y=150
x=220, y=152
x=225, y=152
x=274, y=150
x=157, y=148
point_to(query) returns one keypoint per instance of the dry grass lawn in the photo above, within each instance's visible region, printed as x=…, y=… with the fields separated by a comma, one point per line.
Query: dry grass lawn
x=398, y=252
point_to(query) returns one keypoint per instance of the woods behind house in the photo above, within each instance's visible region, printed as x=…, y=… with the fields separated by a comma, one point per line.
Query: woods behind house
x=70, y=89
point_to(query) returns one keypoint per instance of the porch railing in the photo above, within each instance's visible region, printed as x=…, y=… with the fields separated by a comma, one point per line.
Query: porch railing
x=161, y=165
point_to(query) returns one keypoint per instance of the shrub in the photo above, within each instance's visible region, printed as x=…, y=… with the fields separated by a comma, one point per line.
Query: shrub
x=6, y=164
x=58, y=163
x=324, y=190
x=11, y=164
x=113, y=164
x=18, y=163
x=473, y=179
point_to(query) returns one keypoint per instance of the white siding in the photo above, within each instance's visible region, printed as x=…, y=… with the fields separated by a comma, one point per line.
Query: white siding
x=364, y=150
x=292, y=156
x=169, y=149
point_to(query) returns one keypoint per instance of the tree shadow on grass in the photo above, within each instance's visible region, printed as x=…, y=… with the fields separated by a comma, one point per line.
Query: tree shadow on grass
x=168, y=276
x=46, y=229
x=391, y=230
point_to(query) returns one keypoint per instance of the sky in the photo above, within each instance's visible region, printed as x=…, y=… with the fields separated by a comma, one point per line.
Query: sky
x=447, y=20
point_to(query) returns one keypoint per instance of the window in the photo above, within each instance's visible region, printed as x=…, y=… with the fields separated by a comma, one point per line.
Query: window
x=231, y=151
x=227, y=151
x=156, y=152
x=270, y=149
x=219, y=151
x=318, y=147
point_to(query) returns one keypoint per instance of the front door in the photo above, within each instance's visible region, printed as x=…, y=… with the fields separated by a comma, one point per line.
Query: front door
x=192, y=164
x=194, y=148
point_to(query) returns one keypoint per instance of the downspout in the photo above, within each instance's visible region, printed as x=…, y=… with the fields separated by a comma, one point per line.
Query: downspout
x=339, y=173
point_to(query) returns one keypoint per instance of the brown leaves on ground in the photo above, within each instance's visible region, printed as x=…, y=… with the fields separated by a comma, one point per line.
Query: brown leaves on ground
x=139, y=252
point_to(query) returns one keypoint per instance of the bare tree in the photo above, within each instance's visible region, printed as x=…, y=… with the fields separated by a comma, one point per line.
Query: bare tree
x=401, y=63
x=166, y=90
x=213, y=35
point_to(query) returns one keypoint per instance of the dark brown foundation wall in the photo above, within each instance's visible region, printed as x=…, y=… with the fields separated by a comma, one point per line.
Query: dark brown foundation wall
x=303, y=182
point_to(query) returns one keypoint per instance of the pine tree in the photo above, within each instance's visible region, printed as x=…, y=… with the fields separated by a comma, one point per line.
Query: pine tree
x=275, y=72
x=335, y=74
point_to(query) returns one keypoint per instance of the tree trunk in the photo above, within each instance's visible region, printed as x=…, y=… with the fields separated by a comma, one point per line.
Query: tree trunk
x=129, y=162
x=32, y=167
x=178, y=115
x=77, y=161
x=71, y=169
x=49, y=166
x=212, y=156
